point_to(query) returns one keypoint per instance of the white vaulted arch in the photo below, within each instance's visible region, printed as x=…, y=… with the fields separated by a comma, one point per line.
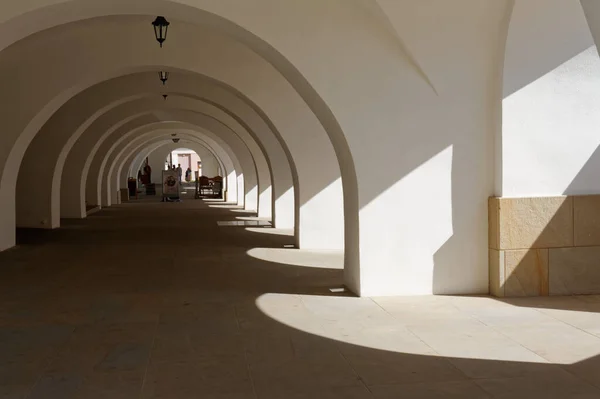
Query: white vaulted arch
x=160, y=149
x=320, y=209
x=95, y=132
x=406, y=129
x=131, y=161
x=107, y=175
x=135, y=162
x=121, y=164
x=338, y=208
x=217, y=152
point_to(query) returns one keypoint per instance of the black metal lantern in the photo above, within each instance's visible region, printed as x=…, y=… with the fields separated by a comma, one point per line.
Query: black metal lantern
x=163, y=76
x=165, y=96
x=161, y=26
x=175, y=141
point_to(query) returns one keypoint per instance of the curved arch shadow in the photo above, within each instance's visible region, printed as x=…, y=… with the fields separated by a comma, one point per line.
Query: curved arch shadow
x=156, y=299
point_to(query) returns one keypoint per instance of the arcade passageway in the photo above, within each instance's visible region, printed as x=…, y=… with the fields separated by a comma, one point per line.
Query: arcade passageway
x=376, y=170
x=163, y=300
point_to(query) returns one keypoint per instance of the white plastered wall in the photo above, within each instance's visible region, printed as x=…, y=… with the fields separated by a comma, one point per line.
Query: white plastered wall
x=439, y=162
x=551, y=109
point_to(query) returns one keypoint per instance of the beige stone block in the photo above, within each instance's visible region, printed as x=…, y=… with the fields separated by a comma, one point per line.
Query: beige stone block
x=494, y=223
x=586, y=223
x=575, y=271
x=496, y=265
x=526, y=273
x=544, y=222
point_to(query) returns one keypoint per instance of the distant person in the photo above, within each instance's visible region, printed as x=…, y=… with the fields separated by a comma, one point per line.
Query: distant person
x=148, y=173
x=188, y=175
x=179, y=172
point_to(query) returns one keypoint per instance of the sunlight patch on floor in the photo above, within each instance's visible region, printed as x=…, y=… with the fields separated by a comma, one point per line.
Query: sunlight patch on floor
x=275, y=231
x=298, y=257
x=477, y=328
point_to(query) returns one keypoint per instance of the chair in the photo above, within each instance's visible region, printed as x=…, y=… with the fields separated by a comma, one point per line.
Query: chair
x=205, y=186
x=217, y=188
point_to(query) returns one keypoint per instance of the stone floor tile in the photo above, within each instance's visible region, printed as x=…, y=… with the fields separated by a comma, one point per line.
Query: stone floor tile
x=171, y=343
x=439, y=390
x=303, y=376
x=21, y=373
x=410, y=311
x=360, y=311
x=586, y=317
x=57, y=386
x=464, y=346
x=13, y=391
x=26, y=352
x=556, y=384
x=104, y=348
x=388, y=368
x=124, y=357
x=499, y=314
x=217, y=377
x=588, y=370
x=487, y=367
x=110, y=385
x=357, y=391
x=372, y=340
x=556, y=342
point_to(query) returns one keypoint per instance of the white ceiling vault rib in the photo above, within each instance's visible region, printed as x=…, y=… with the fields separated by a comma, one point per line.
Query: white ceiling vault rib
x=382, y=8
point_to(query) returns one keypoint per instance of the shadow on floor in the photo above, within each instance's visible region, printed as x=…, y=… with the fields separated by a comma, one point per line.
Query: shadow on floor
x=152, y=300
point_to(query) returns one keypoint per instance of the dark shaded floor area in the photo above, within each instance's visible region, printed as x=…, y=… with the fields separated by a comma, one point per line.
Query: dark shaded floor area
x=144, y=289
x=155, y=300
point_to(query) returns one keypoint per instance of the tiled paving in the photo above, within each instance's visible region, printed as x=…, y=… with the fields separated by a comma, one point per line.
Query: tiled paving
x=155, y=300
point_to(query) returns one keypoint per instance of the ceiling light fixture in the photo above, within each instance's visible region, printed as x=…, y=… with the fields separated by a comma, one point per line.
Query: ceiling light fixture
x=161, y=26
x=163, y=76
